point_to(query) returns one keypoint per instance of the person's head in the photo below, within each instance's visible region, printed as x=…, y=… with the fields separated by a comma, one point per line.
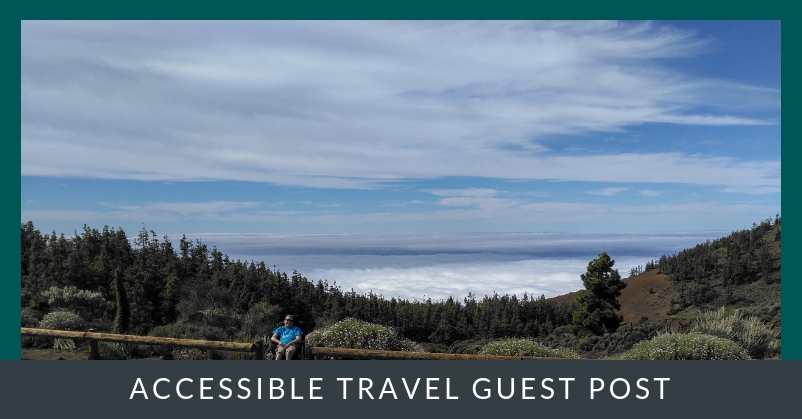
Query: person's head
x=289, y=320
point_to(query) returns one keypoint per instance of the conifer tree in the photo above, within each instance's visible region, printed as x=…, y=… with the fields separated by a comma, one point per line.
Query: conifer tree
x=599, y=300
x=122, y=320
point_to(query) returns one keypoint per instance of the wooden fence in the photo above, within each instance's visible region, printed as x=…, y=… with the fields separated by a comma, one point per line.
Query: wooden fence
x=341, y=353
x=93, y=338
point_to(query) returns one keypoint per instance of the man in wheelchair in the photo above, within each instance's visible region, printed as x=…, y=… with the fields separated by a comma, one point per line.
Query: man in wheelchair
x=288, y=337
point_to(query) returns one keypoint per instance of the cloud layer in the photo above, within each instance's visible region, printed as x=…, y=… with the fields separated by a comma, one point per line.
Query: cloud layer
x=436, y=266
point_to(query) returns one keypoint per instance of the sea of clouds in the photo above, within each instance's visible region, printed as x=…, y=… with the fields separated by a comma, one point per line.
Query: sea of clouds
x=438, y=266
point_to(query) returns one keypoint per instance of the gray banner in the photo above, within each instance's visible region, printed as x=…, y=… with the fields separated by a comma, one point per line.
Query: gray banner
x=658, y=389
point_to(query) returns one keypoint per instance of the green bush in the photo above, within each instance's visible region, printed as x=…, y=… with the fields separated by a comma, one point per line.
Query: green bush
x=685, y=347
x=355, y=334
x=30, y=317
x=513, y=346
x=258, y=321
x=181, y=330
x=471, y=347
x=184, y=330
x=749, y=332
x=113, y=350
x=62, y=320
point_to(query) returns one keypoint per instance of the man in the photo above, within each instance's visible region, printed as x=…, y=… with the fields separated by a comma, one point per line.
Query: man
x=287, y=337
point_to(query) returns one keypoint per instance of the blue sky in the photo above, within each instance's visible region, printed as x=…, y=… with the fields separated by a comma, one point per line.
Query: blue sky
x=400, y=127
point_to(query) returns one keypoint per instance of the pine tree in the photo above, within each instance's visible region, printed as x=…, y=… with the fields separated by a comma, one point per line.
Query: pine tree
x=599, y=300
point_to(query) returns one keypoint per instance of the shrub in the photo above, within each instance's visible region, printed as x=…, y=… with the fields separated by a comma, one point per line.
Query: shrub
x=749, y=332
x=513, y=346
x=88, y=304
x=355, y=334
x=30, y=317
x=258, y=321
x=62, y=320
x=471, y=347
x=181, y=330
x=184, y=330
x=222, y=317
x=187, y=354
x=408, y=346
x=113, y=350
x=685, y=347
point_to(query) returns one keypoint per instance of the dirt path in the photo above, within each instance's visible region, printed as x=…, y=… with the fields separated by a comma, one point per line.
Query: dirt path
x=50, y=354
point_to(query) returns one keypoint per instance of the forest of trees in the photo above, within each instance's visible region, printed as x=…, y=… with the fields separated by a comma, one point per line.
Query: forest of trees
x=197, y=292
x=709, y=274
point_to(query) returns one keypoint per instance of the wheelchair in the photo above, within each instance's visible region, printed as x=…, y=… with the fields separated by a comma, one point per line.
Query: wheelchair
x=300, y=352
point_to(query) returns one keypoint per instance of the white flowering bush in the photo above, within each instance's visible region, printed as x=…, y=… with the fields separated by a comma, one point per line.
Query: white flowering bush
x=688, y=346
x=70, y=294
x=749, y=332
x=513, y=346
x=356, y=334
x=62, y=320
x=89, y=304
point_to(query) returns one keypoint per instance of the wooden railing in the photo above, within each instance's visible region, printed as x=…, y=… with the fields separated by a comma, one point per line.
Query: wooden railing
x=93, y=338
x=318, y=352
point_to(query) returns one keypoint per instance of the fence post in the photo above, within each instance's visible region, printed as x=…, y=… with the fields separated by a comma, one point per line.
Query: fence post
x=94, y=351
x=259, y=354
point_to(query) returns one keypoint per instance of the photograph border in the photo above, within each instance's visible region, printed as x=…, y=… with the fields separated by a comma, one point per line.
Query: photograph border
x=718, y=10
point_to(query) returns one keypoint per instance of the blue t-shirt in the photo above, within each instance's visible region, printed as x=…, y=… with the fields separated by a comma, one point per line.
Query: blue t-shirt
x=287, y=334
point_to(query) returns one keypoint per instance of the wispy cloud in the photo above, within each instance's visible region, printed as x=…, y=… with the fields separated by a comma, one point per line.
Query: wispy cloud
x=186, y=208
x=448, y=214
x=150, y=213
x=91, y=217
x=484, y=199
x=328, y=107
x=608, y=191
x=470, y=192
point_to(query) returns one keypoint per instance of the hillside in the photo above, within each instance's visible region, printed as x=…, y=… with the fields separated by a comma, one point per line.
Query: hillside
x=646, y=295
x=740, y=271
